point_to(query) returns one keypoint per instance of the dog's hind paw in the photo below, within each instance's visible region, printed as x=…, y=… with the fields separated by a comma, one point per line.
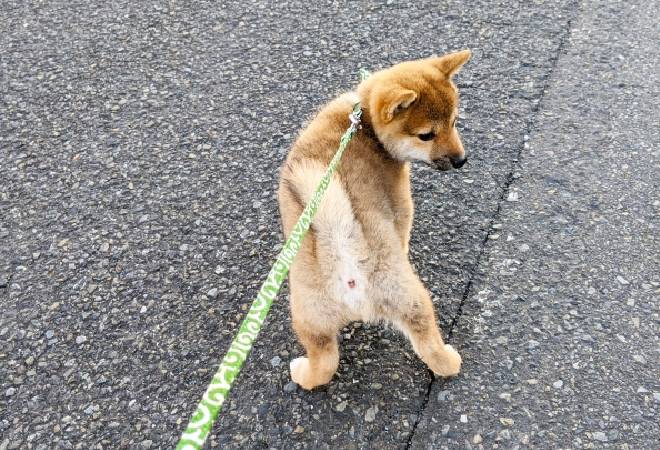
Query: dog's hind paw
x=300, y=372
x=449, y=363
x=305, y=377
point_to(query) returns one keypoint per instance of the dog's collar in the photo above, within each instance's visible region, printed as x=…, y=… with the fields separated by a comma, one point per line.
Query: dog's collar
x=368, y=129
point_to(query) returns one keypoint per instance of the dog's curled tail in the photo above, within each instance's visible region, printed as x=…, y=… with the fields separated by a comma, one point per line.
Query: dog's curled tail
x=334, y=218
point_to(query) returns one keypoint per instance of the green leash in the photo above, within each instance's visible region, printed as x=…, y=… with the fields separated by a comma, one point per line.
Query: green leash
x=202, y=420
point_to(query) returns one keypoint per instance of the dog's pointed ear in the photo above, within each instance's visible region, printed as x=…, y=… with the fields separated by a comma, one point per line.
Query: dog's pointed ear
x=450, y=64
x=393, y=101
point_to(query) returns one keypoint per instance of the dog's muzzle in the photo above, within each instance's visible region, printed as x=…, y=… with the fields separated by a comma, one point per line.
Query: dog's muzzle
x=449, y=163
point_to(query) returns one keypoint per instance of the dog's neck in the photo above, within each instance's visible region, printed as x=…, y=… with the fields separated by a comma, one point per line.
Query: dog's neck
x=367, y=130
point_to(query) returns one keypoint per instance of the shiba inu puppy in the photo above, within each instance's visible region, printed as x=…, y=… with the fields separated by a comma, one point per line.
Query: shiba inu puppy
x=353, y=264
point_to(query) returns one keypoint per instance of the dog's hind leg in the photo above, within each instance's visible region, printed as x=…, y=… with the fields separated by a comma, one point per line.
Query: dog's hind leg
x=317, y=330
x=418, y=323
x=321, y=362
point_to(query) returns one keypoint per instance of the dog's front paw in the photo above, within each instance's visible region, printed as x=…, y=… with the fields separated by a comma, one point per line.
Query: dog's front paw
x=449, y=363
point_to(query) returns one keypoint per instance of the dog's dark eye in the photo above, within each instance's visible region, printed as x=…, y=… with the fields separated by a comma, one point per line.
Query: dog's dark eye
x=427, y=136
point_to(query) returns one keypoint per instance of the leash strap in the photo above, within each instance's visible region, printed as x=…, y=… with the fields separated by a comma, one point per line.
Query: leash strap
x=207, y=410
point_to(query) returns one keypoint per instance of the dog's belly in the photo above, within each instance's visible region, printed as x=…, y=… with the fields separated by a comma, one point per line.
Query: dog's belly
x=349, y=283
x=363, y=275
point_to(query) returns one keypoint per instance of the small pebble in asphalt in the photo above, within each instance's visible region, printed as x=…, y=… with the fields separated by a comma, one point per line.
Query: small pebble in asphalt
x=599, y=436
x=370, y=415
x=639, y=359
x=443, y=396
x=506, y=421
x=505, y=434
x=621, y=280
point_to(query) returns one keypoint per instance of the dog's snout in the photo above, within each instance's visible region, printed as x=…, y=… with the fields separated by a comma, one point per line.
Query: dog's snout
x=457, y=163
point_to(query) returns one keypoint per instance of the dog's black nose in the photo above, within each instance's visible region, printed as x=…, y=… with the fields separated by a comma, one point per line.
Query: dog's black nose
x=457, y=163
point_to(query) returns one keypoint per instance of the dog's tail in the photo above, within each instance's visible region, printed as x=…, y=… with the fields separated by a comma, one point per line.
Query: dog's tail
x=339, y=238
x=334, y=221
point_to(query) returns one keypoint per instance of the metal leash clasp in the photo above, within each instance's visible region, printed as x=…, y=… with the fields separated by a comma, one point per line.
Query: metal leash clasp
x=355, y=116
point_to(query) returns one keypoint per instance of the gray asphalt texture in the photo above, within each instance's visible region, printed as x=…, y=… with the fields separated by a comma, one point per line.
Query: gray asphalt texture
x=139, y=147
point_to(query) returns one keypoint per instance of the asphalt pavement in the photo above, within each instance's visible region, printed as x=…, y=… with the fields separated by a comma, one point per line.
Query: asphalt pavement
x=139, y=148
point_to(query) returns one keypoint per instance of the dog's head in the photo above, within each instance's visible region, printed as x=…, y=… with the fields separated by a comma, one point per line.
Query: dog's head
x=413, y=107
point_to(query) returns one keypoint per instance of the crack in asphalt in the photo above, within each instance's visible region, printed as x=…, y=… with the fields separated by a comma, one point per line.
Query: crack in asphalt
x=536, y=107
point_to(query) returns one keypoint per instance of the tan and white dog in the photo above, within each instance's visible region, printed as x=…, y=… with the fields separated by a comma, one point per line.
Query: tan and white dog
x=353, y=264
